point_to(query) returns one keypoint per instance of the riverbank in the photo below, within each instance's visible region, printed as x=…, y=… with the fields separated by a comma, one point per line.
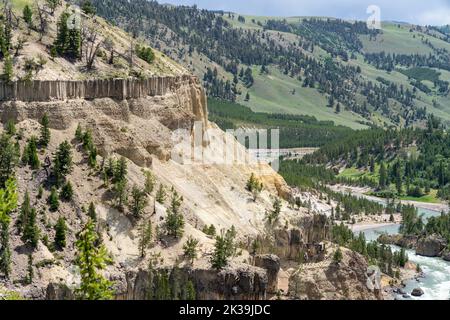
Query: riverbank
x=362, y=192
x=364, y=226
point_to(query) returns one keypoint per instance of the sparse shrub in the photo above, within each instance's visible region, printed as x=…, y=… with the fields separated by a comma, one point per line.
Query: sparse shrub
x=60, y=233
x=53, y=199
x=190, y=249
x=337, y=257
x=92, y=212
x=67, y=192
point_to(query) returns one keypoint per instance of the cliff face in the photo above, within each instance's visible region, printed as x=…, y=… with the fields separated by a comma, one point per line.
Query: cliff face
x=40, y=90
x=133, y=118
x=240, y=283
x=329, y=280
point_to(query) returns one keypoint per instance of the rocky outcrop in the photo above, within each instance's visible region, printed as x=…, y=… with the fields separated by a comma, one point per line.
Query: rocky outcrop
x=407, y=242
x=431, y=246
x=120, y=89
x=346, y=280
x=305, y=239
x=59, y=291
x=136, y=127
x=271, y=263
x=234, y=283
x=241, y=283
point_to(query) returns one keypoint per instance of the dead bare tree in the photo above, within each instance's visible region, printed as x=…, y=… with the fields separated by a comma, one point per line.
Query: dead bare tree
x=43, y=19
x=109, y=46
x=91, y=42
x=52, y=5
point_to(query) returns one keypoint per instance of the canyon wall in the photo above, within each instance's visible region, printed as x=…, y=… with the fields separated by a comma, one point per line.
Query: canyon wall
x=131, y=117
x=239, y=283
x=120, y=89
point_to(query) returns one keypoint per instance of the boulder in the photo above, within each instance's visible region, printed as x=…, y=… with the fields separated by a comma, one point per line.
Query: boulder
x=446, y=256
x=59, y=291
x=417, y=292
x=431, y=246
x=401, y=291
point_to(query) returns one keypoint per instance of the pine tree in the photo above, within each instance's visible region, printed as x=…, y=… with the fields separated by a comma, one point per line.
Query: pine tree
x=24, y=213
x=337, y=257
x=254, y=186
x=53, y=199
x=161, y=194
x=68, y=40
x=8, y=158
x=28, y=15
x=62, y=36
x=92, y=157
x=67, y=192
x=8, y=203
x=92, y=259
x=190, y=249
x=149, y=182
x=174, y=223
x=62, y=162
x=87, y=140
x=45, y=131
x=162, y=286
x=273, y=215
x=88, y=8
x=145, y=237
x=383, y=176
x=138, y=201
x=330, y=102
x=10, y=127
x=92, y=212
x=219, y=258
x=8, y=72
x=31, y=230
x=30, y=154
x=190, y=291
x=79, y=133
x=60, y=233
x=372, y=165
x=30, y=269
x=120, y=171
x=120, y=190
x=40, y=192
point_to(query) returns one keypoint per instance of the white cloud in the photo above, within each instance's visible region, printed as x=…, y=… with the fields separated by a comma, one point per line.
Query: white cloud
x=435, y=17
x=434, y=12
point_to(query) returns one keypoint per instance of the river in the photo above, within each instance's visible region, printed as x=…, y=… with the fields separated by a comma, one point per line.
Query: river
x=436, y=283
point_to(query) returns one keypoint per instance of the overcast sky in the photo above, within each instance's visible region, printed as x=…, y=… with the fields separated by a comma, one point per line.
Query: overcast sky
x=424, y=12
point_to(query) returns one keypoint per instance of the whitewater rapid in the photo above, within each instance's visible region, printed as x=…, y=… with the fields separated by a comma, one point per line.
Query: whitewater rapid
x=436, y=284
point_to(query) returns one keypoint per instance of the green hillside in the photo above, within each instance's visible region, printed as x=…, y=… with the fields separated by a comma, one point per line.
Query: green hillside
x=278, y=93
x=328, y=68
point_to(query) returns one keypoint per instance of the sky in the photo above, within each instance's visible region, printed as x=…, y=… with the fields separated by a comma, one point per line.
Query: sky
x=429, y=12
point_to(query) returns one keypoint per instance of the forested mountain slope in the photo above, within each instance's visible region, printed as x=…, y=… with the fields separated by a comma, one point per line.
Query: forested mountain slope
x=328, y=68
